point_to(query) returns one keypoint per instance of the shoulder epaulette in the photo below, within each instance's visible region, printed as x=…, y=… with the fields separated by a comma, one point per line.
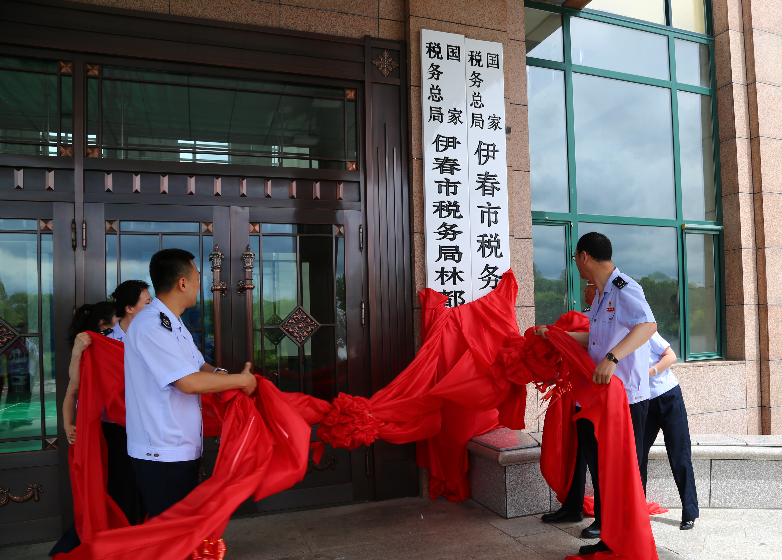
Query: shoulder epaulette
x=619, y=282
x=106, y=332
x=165, y=321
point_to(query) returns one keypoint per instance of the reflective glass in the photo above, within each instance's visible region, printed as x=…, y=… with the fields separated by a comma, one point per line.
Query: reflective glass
x=255, y=247
x=186, y=120
x=620, y=49
x=135, y=253
x=696, y=145
x=18, y=446
x=352, y=130
x=280, y=278
x=93, y=110
x=543, y=35
x=160, y=227
x=701, y=293
x=29, y=109
x=318, y=360
x=280, y=359
x=111, y=263
x=693, y=66
x=548, y=140
x=624, y=148
x=192, y=316
x=47, y=334
x=28, y=63
x=14, y=224
x=313, y=229
x=317, y=277
x=689, y=15
x=66, y=110
x=645, y=10
x=649, y=256
x=20, y=400
x=549, y=269
x=342, y=325
x=19, y=281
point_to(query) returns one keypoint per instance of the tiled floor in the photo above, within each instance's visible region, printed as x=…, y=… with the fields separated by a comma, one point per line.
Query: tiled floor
x=439, y=530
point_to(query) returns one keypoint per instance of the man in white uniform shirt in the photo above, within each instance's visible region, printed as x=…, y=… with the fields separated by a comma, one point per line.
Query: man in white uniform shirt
x=165, y=374
x=620, y=326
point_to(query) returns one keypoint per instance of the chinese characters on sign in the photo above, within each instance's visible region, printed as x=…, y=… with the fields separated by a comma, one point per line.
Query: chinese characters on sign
x=465, y=173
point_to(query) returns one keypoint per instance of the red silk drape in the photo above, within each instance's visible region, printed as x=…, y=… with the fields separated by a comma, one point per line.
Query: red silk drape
x=472, y=368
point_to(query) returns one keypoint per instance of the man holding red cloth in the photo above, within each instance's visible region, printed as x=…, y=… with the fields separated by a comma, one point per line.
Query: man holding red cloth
x=621, y=324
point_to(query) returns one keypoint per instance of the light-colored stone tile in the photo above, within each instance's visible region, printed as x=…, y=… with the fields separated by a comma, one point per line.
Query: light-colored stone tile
x=718, y=440
x=519, y=204
x=236, y=11
x=736, y=166
x=415, y=122
x=661, y=488
x=771, y=383
x=516, y=20
x=754, y=425
x=762, y=14
x=753, y=373
x=770, y=275
x=553, y=545
x=764, y=101
x=493, y=13
x=521, y=264
x=732, y=111
x=281, y=538
x=746, y=484
x=740, y=277
x=525, y=316
x=729, y=58
x=775, y=421
x=515, y=53
x=518, y=139
x=487, y=484
x=736, y=327
x=768, y=214
x=391, y=29
x=527, y=490
x=724, y=422
x=392, y=9
x=333, y=23
x=770, y=317
x=357, y=7
x=766, y=164
x=698, y=388
x=522, y=526
x=738, y=220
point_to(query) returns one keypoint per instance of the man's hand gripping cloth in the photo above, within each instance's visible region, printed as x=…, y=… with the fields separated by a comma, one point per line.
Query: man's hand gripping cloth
x=264, y=448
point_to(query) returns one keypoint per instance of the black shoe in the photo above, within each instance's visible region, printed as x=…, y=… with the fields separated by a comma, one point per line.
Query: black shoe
x=562, y=515
x=686, y=525
x=591, y=532
x=592, y=548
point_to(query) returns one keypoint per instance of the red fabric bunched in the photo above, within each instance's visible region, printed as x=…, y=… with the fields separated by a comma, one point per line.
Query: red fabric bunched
x=264, y=449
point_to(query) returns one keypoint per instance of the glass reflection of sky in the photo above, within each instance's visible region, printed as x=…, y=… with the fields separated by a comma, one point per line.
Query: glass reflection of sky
x=549, y=252
x=624, y=148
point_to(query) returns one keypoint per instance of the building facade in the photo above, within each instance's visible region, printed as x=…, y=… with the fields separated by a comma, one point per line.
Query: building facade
x=281, y=143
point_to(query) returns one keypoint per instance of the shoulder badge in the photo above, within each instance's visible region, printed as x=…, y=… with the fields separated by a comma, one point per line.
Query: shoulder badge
x=165, y=321
x=619, y=282
x=106, y=332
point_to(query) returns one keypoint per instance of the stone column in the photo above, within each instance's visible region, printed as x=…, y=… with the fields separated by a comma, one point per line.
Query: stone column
x=762, y=24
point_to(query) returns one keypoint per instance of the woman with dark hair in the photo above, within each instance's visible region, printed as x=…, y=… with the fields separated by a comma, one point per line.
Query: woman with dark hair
x=128, y=299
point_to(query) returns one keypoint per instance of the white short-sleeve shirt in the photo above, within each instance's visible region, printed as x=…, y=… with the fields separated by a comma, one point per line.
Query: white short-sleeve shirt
x=163, y=424
x=611, y=317
x=665, y=380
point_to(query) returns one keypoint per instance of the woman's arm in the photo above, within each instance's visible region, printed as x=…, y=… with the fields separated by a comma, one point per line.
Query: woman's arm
x=666, y=360
x=581, y=337
x=72, y=394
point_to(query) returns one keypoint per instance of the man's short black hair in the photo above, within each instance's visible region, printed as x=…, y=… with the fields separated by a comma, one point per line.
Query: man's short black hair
x=596, y=245
x=167, y=267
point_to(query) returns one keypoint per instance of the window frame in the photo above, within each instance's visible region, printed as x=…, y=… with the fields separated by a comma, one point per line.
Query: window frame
x=572, y=218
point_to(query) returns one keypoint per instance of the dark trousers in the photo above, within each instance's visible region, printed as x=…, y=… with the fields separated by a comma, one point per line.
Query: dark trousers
x=164, y=484
x=668, y=412
x=121, y=484
x=587, y=457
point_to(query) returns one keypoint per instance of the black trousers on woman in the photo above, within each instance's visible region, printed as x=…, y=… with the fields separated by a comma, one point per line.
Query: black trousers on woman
x=121, y=485
x=667, y=412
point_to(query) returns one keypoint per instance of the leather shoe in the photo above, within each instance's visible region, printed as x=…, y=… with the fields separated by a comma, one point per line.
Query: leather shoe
x=562, y=515
x=592, y=548
x=591, y=532
x=686, y=525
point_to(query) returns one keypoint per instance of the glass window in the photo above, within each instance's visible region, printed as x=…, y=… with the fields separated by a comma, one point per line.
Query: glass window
x=701, y=293
x=696, y=145
x=650, y=257
x=549, y=269
x=693, y=65
x=620, y=49
x=646, y=10
x=689, y=15
x=624, y=148
x=548, y=139
x=543, y=35
x=175, y=117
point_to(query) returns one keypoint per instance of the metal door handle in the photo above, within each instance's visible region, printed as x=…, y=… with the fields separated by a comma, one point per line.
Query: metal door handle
x=245, y=288
x=216, y=258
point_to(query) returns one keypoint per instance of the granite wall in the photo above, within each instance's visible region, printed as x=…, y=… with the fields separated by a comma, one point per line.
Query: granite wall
x=742, y=395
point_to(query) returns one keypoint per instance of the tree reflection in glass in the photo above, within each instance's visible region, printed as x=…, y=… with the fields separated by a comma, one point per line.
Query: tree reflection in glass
x=701, y=293
x=549, y=267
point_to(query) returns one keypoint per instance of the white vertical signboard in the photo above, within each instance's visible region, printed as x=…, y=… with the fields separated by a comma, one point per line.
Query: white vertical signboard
x=488, y=181
x=446, y=181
